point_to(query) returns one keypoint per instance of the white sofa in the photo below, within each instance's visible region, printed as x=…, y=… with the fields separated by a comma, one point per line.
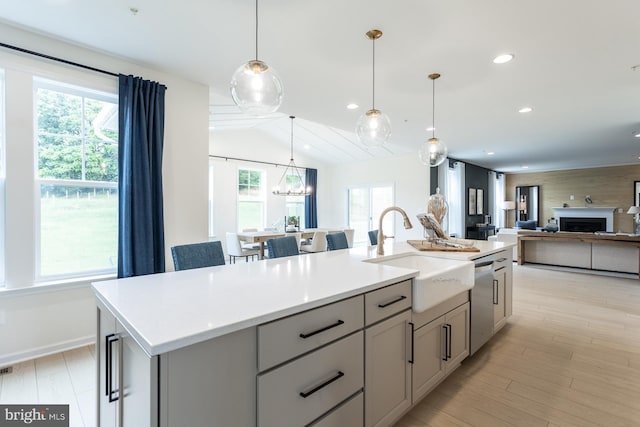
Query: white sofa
x=507, y=235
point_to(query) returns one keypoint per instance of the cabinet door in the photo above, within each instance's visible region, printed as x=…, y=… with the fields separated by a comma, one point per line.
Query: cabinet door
x=387, y=370
x=107, y=368
x=457, y=321
x=499, y=307
x=428, y=357
x=123, y=361
x=139, y=374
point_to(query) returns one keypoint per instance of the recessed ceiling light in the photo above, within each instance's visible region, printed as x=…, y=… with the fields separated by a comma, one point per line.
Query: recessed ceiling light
x=490, y=153
x=502, y=59
x=306, y=146
x=525, y=167
x=430, y=129
x=352, y=106
x=525, y=110
x=636, y=134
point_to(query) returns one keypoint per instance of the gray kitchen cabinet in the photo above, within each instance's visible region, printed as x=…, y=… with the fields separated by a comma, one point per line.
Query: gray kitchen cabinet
x=499, y=309
x=347, y=414
x=438, y=348
x=387, y=370
x=502, y=290
x=128, y=377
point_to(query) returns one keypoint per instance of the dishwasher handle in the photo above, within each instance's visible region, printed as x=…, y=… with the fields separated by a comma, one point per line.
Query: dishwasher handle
x=485, y=265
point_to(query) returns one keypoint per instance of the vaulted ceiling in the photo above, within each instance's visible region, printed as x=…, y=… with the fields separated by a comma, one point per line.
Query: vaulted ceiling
x=575, y=65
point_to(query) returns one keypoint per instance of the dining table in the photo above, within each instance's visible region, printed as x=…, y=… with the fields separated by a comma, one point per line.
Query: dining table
x=261, y=237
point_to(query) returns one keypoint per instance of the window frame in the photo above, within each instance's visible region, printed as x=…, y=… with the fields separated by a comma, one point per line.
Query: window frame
x=84, y=92
x=260, y=199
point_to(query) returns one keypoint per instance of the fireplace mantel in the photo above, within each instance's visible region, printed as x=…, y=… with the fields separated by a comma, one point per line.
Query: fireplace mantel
x=586, y=213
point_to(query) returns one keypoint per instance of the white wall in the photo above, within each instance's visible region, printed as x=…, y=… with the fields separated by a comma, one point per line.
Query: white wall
x=410, y=180
x=40, y=320
x=253, y=144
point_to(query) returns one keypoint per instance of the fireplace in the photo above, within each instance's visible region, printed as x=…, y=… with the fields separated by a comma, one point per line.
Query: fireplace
x=583, y=225
x=578, y=214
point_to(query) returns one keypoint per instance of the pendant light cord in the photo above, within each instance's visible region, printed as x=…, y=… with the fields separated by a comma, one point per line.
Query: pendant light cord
x=256, y=30
x=373, y=80
x=292, y=117
x=433, y=109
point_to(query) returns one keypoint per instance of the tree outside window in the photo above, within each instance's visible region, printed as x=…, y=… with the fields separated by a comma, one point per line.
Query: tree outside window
x=251, y=198
x=77, y=171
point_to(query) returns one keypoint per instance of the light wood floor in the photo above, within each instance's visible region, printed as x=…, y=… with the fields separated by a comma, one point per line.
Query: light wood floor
x=569, y=356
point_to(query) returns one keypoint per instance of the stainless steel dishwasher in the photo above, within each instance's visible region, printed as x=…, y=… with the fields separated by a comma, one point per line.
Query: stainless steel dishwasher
x=482, y=300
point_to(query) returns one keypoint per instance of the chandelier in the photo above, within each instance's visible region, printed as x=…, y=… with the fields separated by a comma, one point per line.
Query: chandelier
x=291, y=183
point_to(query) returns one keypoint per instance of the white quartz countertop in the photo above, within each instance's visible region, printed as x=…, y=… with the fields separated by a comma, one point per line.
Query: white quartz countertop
x=167, y=311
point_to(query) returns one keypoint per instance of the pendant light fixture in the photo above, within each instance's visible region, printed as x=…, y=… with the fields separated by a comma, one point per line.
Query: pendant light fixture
x=433, y=151
x=291, y=183
x=373, y=127
x=256, y=87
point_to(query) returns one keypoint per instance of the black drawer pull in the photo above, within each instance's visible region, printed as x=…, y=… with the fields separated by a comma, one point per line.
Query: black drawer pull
x=109, y=340
x=310, y=334
x=336, y=377
x=412, y=343
x=400, y=298
x=446, y=342
x=501, y=260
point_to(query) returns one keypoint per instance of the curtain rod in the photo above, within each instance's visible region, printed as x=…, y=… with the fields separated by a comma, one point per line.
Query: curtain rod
x=53, y=58
x=253, y=161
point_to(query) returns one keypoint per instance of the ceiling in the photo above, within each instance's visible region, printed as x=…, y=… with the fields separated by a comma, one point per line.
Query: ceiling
x=574, y=65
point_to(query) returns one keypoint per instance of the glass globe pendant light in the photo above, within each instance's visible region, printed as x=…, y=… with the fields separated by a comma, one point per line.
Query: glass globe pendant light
x=256, y=88
x=373, y=127
x=433, y=151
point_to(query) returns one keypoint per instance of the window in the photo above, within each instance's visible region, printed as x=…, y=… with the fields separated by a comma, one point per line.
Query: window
x=251, y=198
x=77, y=172
x=2, y=178
x=365, y=206
x=295, y=204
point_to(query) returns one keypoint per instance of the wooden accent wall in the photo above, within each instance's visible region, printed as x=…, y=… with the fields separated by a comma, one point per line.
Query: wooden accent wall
x=608, y=187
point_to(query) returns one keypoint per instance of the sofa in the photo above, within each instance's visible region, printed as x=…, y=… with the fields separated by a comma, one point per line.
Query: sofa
x=507, y=235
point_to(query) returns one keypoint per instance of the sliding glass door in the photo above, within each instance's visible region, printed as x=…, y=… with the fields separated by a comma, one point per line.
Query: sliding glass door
x=365, y=206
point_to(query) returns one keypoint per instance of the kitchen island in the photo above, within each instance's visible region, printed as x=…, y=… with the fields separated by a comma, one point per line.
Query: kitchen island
x=209, y=346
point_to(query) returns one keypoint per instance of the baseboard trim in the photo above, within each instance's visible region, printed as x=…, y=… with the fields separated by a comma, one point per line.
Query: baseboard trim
x=34, y=353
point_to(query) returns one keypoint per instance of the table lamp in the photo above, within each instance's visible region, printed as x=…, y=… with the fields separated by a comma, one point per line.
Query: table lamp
x=635, y=210
x=508, y=205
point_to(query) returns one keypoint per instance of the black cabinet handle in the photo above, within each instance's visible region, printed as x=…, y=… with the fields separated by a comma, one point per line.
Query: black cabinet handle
x=326, y=328
x=495, y=292
x=501, y=260
x=446, y=342
x=400, y=298
x=336, y=377
x=412, y=332
x=109, y=340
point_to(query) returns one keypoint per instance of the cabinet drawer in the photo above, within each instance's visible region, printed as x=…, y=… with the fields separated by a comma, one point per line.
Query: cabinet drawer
x=387, y=301
x=302, y=390
x=349, y=414
x=502, y=259
x=292, y=336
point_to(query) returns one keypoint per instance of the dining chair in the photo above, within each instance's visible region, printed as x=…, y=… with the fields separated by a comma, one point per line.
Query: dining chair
x=349, y=232
x=197, y=255
x=298, y=237
x=337, y=241
x=373, y=237
x=318, y=243
x=235, y=249
x=250, y=245
x=282, y=246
